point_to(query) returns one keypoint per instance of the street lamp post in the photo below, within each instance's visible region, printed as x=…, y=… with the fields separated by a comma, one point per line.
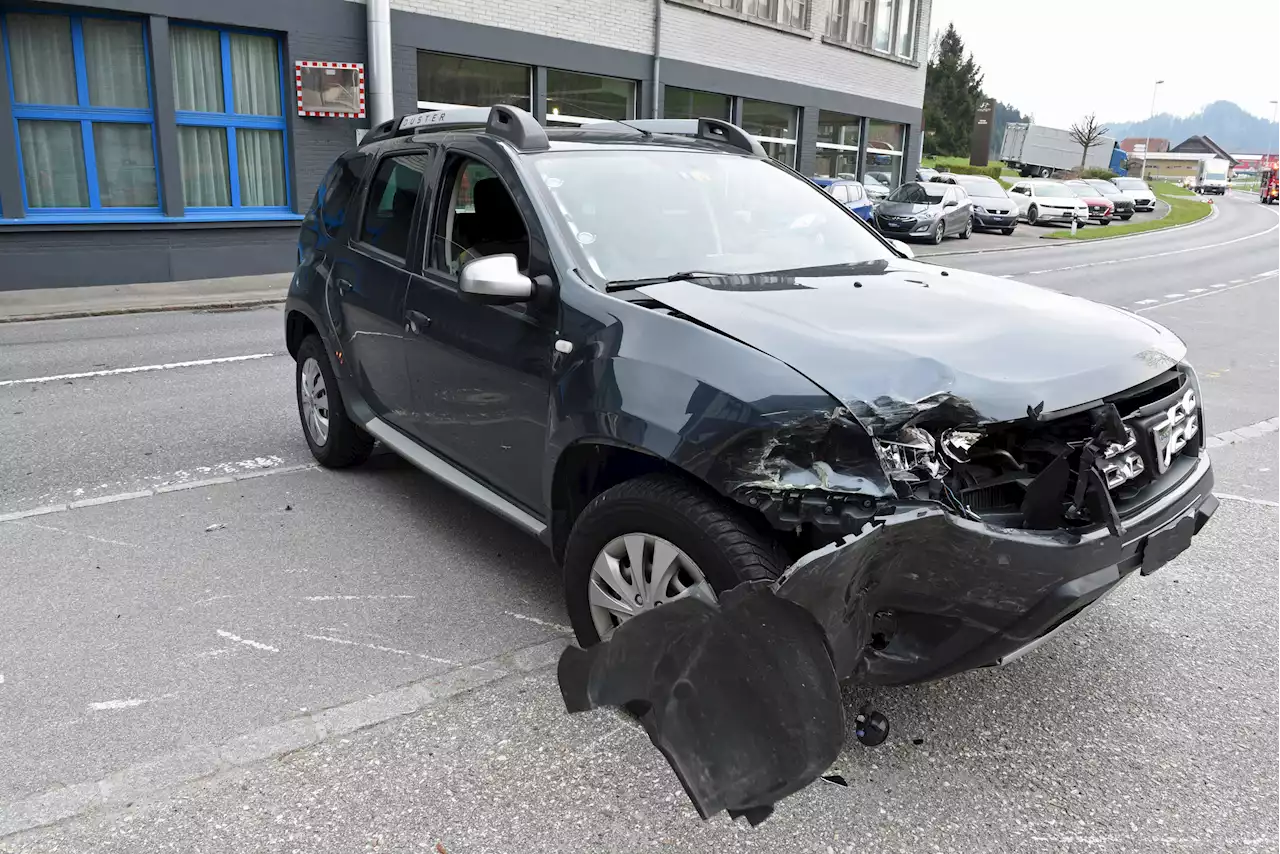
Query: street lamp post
x=1146, y=149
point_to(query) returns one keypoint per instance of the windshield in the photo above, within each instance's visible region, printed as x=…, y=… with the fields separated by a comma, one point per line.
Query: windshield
x=1130, y=184
x=919, y=194
x=643, y=214
x=1215, y=175
x=1053, y=191
x=1084, y=191
x=1104, y=187
x=985, y=188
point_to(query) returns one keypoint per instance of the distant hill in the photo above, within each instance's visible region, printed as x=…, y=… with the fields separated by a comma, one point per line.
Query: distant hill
x=1230, y=126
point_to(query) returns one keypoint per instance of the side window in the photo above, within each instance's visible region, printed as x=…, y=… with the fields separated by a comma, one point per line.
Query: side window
x=476, y=216
x=961, y=195
x=389, y=204
x=855, y=192
x=839, y=192
x=342, y=183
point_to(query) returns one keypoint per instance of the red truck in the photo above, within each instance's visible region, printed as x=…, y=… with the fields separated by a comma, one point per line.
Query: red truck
x=1269, y=189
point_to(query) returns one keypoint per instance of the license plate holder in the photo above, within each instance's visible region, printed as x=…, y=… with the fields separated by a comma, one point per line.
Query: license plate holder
x=1166, y=544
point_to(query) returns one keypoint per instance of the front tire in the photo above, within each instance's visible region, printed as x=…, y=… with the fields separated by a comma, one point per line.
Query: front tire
x=1126, y=217
x=968, y=230
x=1033, y=215
x=335, y=440
x=938, y=234
x=1006, y=231
x=686, y=541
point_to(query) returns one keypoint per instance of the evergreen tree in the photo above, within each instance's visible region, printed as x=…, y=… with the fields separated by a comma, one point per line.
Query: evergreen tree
x=953, y=90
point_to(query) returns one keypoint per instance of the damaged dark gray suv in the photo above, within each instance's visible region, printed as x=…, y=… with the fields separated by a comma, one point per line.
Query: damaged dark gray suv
x=769, y=449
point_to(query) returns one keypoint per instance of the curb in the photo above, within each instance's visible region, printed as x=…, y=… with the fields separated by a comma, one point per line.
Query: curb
x=211, y=305
x=1061, y=242
x=157, y=774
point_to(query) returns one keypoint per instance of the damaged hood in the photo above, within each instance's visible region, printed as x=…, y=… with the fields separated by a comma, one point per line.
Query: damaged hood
x=899, y=339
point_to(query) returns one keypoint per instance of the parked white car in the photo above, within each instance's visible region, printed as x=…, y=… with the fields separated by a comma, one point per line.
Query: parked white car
x=1048, y=201
x=1144, y=198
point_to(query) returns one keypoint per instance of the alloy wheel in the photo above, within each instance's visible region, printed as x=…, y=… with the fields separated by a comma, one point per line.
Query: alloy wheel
x=315, y=401
x=638, y=572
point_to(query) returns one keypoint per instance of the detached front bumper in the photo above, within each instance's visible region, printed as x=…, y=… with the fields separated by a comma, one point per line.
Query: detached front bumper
x=743, y=697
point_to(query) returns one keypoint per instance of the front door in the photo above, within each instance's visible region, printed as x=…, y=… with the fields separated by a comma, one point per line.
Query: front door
x=372, y=287
x=481, y=374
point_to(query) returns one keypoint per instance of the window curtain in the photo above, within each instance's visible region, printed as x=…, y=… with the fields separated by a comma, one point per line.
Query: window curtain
x=206, y=173
x=261, y=156
x=53, y=164
x=197, y=69
x=126, y=165
x=115, y=62
x=255, y=73
x=42, y=59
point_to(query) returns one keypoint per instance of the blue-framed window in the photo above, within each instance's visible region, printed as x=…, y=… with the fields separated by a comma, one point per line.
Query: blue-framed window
x=229, y=94
x=82, y=110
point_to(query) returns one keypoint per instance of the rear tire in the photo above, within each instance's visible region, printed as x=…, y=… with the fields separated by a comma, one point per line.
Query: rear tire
x=335, y=440
x=719, y=541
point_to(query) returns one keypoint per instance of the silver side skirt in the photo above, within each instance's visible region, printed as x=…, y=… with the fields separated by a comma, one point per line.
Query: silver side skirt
x=450, y=475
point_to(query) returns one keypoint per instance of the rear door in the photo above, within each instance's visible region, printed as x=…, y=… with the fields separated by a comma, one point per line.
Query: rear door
x=372, y=288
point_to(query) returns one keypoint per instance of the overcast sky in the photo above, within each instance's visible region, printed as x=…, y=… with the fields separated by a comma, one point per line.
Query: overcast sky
x=1014, y=39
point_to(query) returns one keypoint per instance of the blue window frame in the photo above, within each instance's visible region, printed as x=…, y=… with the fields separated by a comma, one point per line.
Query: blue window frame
x=230, y=97
x=83, y=115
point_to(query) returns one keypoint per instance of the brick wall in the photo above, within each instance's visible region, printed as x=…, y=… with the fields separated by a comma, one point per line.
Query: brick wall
x=709, y=38
x=623, y=24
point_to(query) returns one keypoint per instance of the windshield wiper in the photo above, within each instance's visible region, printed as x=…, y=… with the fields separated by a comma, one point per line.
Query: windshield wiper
x=689, y=276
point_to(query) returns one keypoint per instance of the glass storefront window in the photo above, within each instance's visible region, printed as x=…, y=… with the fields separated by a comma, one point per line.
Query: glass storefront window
x=774, y=125
x=446, y=80
x=884, y=152
x=578, y=98
x=690, y=104
x=837, y=155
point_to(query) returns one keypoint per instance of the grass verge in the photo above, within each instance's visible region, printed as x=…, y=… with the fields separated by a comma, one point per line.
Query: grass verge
x=1182, y=210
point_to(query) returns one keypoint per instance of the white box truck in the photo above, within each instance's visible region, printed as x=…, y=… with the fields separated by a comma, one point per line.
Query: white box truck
x=1211, y=176
x=1036, y=150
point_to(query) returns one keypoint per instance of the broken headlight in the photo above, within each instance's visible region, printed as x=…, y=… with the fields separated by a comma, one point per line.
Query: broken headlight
x=910, y=457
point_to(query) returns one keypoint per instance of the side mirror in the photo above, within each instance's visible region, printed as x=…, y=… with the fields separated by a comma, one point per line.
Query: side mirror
x=902, y=248
x=496, y=280
x=950, y=204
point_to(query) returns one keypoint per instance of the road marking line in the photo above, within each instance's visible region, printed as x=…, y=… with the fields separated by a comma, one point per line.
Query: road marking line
x=1173, y=296
x=1197, y=290
x=71, y=533
x=1247, y=500
x=262, y=646
x=1236, y=281
x=377, y=648
x=351, y=598
x=1147, y=301
x=194, y=363
x=149, y=493
x=111, y=705
x=546, y=624
x=1197, y=296
x=1154, y=254
x=1219, y=285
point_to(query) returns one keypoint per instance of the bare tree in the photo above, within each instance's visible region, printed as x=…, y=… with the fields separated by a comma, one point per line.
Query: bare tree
x=1086, y=133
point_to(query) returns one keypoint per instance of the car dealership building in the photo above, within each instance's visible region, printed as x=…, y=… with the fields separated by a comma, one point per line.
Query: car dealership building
x=167, y=140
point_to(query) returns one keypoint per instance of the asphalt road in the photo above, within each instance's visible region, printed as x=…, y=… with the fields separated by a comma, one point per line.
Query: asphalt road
x=236, y=651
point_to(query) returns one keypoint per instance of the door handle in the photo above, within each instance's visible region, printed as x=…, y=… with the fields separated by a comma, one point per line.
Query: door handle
x=416, y=321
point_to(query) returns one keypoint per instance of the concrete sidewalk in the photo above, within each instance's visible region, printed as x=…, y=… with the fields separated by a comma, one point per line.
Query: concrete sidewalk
x=54, y=303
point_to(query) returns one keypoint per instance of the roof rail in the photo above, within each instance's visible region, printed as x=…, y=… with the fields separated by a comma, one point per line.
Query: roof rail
x=513, y=124
x=715, y=130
